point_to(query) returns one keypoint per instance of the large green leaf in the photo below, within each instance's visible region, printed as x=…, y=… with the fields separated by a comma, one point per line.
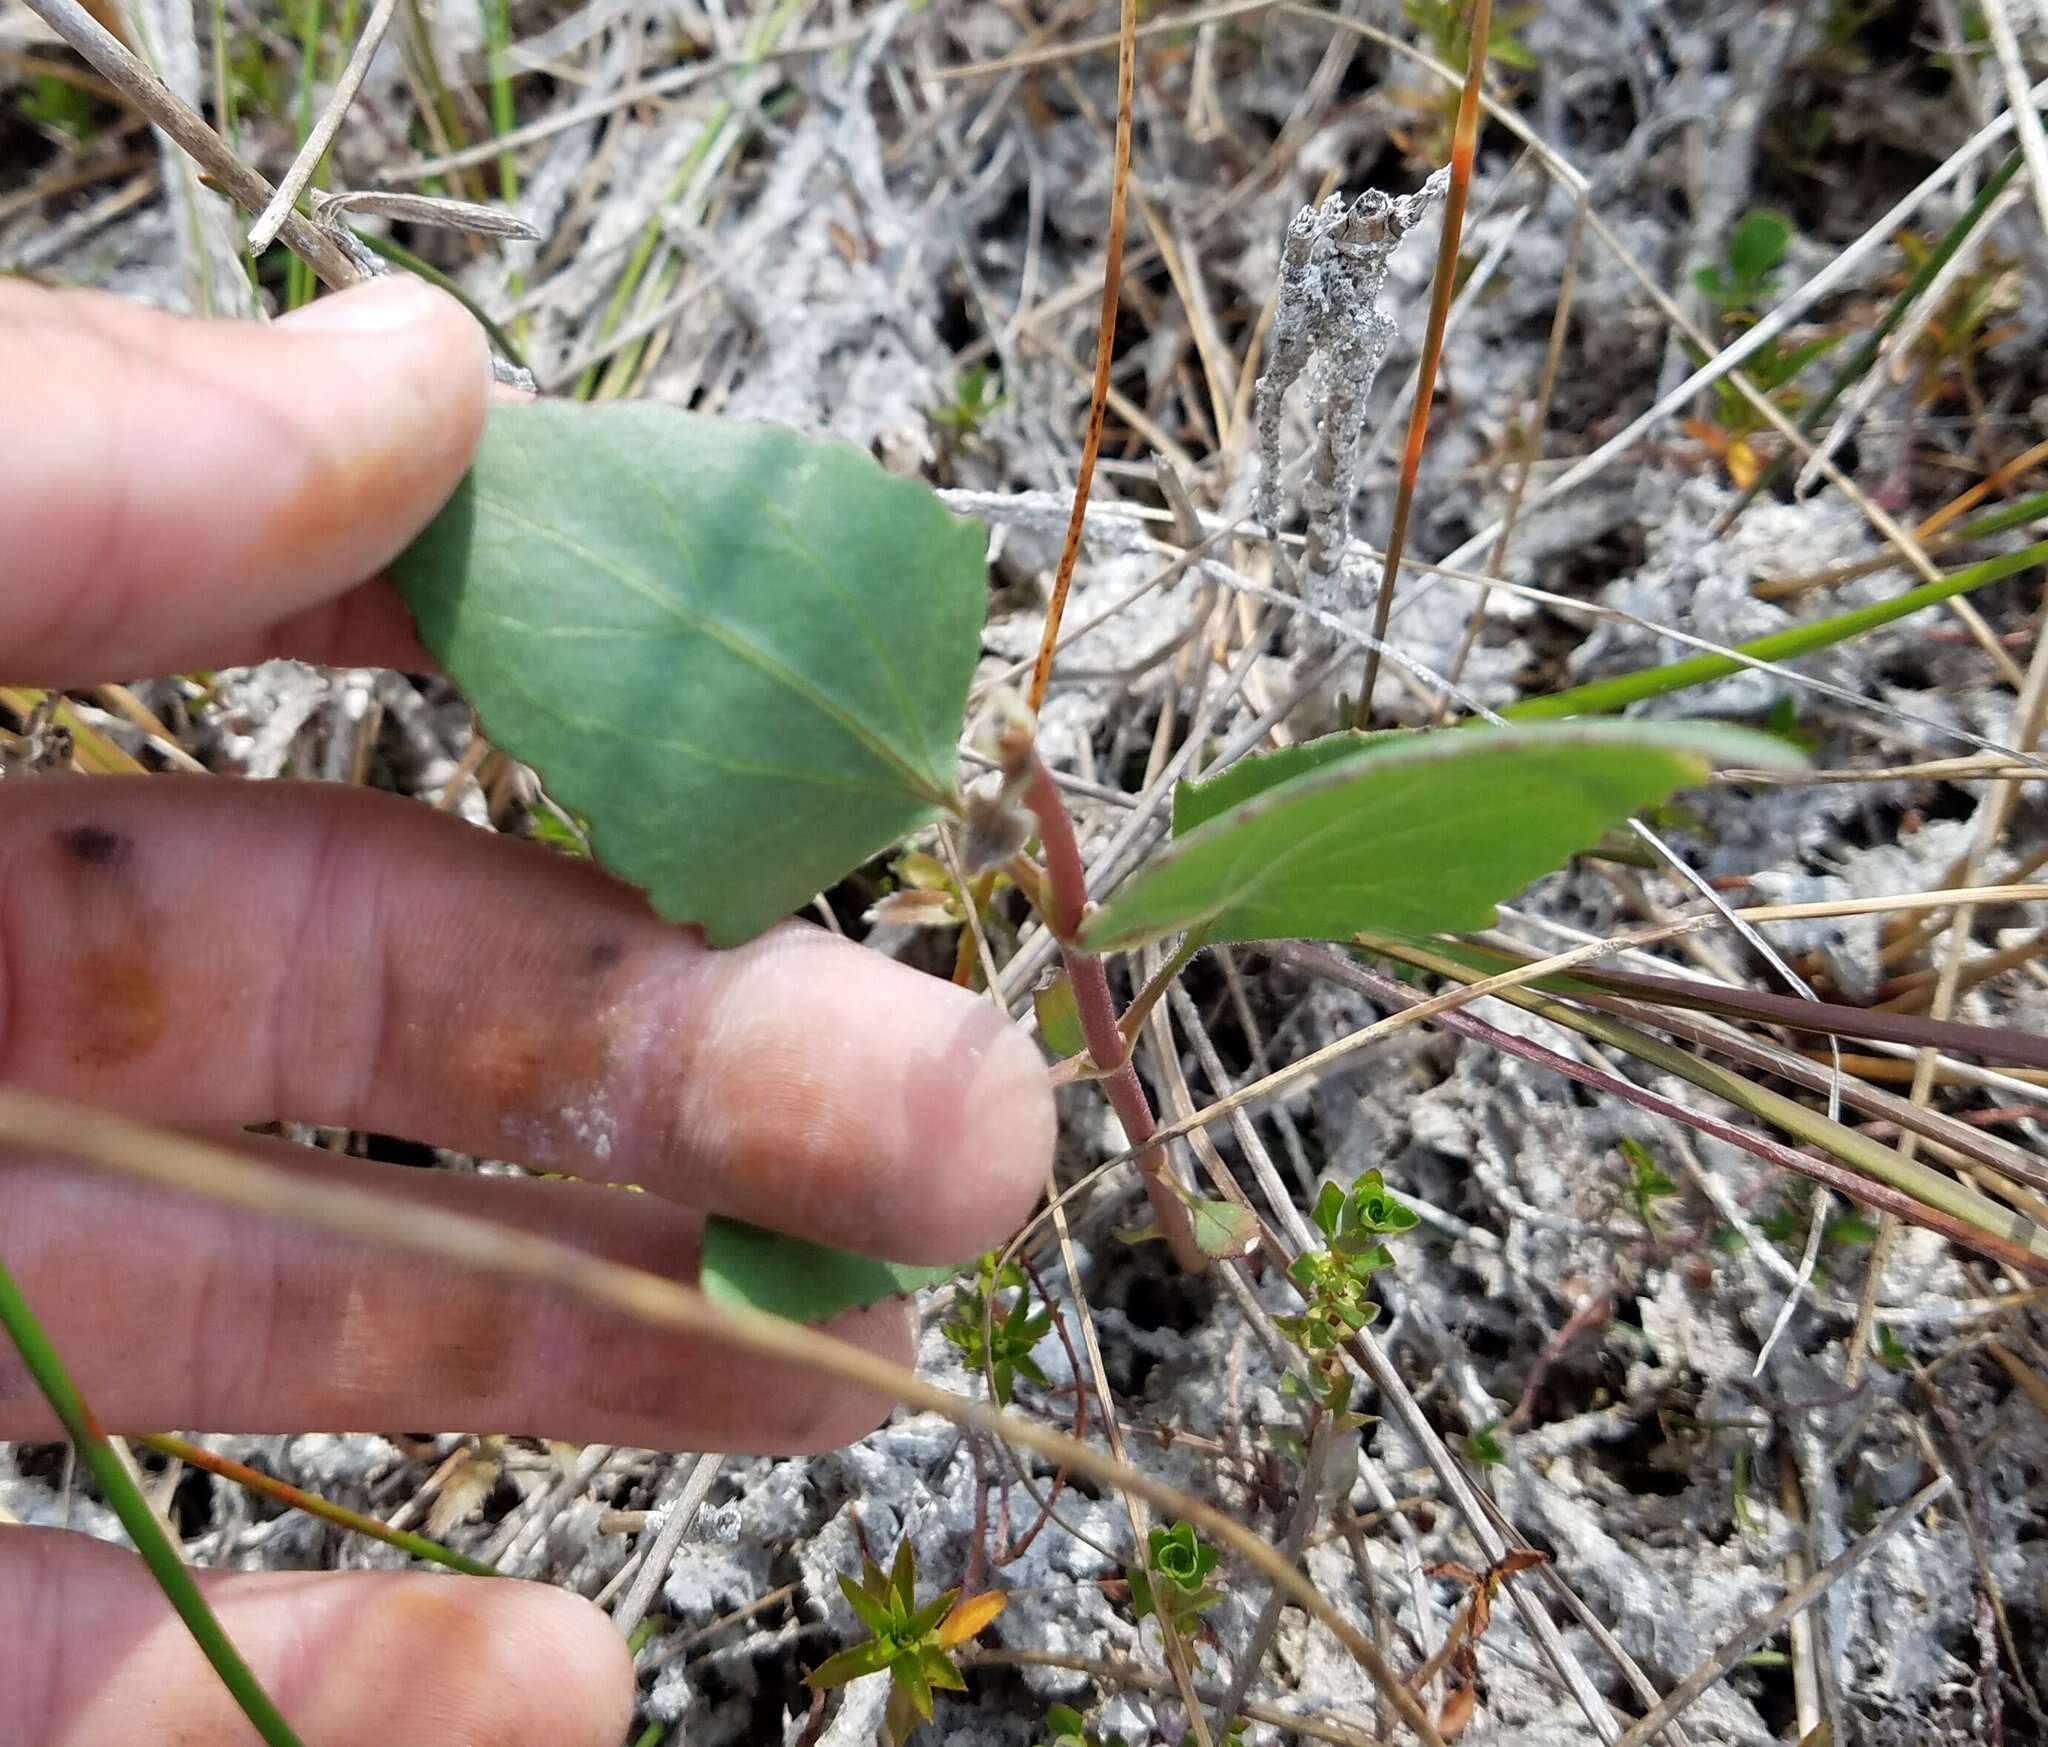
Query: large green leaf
x=806, y=1282
x=740, y=653
x=1414, y=834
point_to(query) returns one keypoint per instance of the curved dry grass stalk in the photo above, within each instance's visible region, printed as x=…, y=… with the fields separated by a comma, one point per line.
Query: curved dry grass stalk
x=143, y=1153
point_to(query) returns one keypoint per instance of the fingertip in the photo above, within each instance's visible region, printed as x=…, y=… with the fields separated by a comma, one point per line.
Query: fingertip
x=563, y=1660
x=400, y=374
x=1002, y=1105
x=839, y=1095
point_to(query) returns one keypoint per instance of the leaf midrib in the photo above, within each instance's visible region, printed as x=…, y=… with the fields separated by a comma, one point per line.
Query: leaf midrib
x=915, y=781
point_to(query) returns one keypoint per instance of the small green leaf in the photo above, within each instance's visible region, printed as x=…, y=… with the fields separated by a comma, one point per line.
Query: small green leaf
x=869, y=1658
x=740, y=653
x=805, y=1282
x=1758, y=243
x=870, y=1611
x=903, y=1583
x=910, y=1680
x=1222, y=1228
x=1059, y=1016
x=1419, y=835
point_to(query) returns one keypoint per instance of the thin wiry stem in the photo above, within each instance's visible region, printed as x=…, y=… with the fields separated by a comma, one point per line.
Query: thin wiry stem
x=125, y=1498
x=269, y=1486
x=141, y=1152
x=1464, y=144
x=1105, y=349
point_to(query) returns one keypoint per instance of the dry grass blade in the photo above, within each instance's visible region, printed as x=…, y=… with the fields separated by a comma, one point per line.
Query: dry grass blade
x=171, y=1161
x=1105, y=351
x=1464, y=144
x=322, y=133
x=188, y=127
x=1795, y=1603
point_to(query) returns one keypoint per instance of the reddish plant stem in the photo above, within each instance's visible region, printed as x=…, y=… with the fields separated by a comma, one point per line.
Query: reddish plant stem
x=1063, y=902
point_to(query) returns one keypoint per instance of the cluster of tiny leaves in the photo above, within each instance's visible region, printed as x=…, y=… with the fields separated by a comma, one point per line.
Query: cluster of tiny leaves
x=1011, y=1332
x=1333, y=1280
x=1175, y=1584
x=910, y=1642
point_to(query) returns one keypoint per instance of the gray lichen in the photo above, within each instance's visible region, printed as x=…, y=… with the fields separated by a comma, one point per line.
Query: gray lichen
x=1333, y=268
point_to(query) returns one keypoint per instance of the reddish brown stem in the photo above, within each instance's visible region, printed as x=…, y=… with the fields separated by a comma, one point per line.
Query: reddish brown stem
x=1063, y=902
x=1105, y=349
x=1464, y=149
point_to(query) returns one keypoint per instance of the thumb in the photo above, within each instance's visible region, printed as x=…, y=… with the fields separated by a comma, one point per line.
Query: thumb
x=90, y=1652
x=168, y=486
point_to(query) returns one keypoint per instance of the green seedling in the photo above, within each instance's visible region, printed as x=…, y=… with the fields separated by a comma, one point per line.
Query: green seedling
x=1333, y=1280
x=1647, y=1185
x=1744, y=284
x=912, y=1643
x=1739, y=289
x=1483, y=1448
x=1445, y=27
x=998, y=1338
x=1066, y=1727
x=977, y=396
x=1174, y=1585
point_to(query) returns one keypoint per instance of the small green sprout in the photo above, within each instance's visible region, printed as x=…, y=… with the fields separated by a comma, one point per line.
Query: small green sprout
x=1646, y=1184
x=1891, y=1351
x=1445, y=27
x=1333, y=1280
x=1015, y=1330
x=60, y=106
x=910, y=1642
x=1739, y=290
x=1181, y=1564
x=977, y=396
x=1070, y=1729
x=1483, y=1449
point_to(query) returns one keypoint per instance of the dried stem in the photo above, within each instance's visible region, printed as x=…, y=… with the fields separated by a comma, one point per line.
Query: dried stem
x=1105, y=347
x=187, y=126
x=265, y=229
x=1464, y=143
x=269, y=1486
x=1306, y=1504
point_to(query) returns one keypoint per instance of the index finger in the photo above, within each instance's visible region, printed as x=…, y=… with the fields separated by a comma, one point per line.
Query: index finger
x=179, y=493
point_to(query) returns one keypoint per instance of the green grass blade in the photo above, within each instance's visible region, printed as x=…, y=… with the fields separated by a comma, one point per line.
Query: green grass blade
x=1605, y=695
x=1865, y=354
x=128, y=1504
x=1858, y=1151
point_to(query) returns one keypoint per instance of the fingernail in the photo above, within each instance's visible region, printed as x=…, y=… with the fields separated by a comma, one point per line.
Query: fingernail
x=381, y=306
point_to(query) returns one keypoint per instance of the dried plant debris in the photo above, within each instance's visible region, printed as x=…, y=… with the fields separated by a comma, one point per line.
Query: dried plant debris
x=1333, y=269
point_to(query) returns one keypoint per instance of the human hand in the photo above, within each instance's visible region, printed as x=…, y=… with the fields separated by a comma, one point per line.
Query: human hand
x=211, y=953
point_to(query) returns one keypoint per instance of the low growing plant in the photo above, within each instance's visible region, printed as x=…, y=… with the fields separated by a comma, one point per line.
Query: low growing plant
x=739, y=659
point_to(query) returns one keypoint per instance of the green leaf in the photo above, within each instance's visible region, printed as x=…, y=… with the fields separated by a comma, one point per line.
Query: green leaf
x=869, y=1658
x=740, y=653
x=910, y=1680
x=1196, y=804
x=1758, y=243
x=1417, y=836
x=1222, y=1228
x=805, y=1282
x=903, y=1580
x=870, y=1611
x=1059, y=1016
